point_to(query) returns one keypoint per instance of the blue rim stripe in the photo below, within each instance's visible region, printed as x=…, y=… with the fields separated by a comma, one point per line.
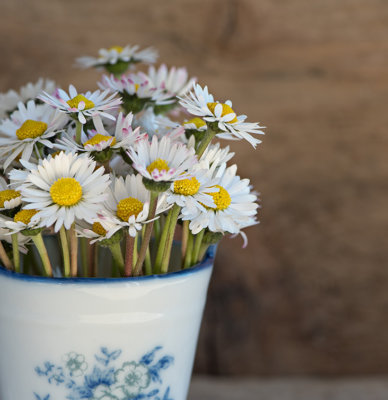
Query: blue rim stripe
x=206, y=263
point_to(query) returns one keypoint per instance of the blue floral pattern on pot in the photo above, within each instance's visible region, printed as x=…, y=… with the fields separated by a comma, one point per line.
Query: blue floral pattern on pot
x=108, y=378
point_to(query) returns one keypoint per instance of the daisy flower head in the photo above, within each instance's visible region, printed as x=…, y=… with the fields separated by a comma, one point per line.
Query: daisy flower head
x=162, y=161
x=174, y=81
x=24, y=221
x=117, y=59
x=196, y=124
x=128, y=205
x=9, y=198
x=137, y=91
x=108, y=234
x=82, y=106
x=63, y=189
x=193, y=192
x=10, y=100
x=214, y=156
x=220, y=117
x=101, y=142
x=243, y=225
x=22, y=240
x=235, y=207
x=195, y=129
x=31, y=126
x=158, y=125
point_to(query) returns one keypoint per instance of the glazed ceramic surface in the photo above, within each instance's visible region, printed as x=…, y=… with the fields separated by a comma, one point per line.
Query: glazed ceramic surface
x=100, y=339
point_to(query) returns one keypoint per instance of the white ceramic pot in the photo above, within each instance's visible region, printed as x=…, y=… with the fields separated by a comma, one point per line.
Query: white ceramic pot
x=100, y=339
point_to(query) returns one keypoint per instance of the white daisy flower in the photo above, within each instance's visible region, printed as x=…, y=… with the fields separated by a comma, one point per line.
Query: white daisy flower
x=119, y=55
x=17, y=176
x=63, y=189
x=230, y=126
x=235, y=205
x=128, y=205
x=195, y=124
x=10, y=100
x=174, y=81
x=243, y=225
x=23, y=220
x=162, y=160
x=95, y=231
x=8, y=103
x=193, y=192
x=100, y=139
x=8, y=198
x=136, y=86
x=31, y=125
x=214, y=156
x=82, y=106
x=22, y=240
x=159, y=125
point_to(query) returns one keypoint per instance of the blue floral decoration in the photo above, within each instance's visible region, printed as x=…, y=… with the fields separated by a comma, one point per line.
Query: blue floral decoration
x=108, y=378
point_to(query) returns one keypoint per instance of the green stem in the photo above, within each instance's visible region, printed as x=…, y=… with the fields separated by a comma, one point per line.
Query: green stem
x=157, y=230
x=197, y=246
x=162, y=244
x=78, y=132
x=117, y=256
x=209, y=135
x=147, y=235
x=129, y=246
x=15, y=252
x=189, y=251
x=4, y=257
x=73, y=251
x=170, y=238
x=65, y=252
x=39, y=243
x=38, y=151
x=135, y=250
x=147, y=262
x=115, y=271
x=185, y=237
x=202, y=251
x=30, y=266
x=84, y=256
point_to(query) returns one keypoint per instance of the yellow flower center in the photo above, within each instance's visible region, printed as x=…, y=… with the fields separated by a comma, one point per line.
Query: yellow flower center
x=66, y=192
x=24, y=216
x=7, y=195
x=99, y=229
x=128, y=207
x=225, y=110
x=187, y=187
x=119, y=49
x=74, y=102
x=98, y=138
x=158, y=164
x=221, y=199
x=198, y=122
x=31, y=129
x=136, y=87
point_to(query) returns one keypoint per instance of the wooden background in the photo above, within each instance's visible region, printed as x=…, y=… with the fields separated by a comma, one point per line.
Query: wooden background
x=310, y=293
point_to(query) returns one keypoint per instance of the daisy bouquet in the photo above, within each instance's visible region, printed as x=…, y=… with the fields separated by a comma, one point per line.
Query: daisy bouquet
x=114, y=175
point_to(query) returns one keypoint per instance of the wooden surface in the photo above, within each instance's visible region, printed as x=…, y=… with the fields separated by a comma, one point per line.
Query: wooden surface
x=309, y=294
x=288, y=389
